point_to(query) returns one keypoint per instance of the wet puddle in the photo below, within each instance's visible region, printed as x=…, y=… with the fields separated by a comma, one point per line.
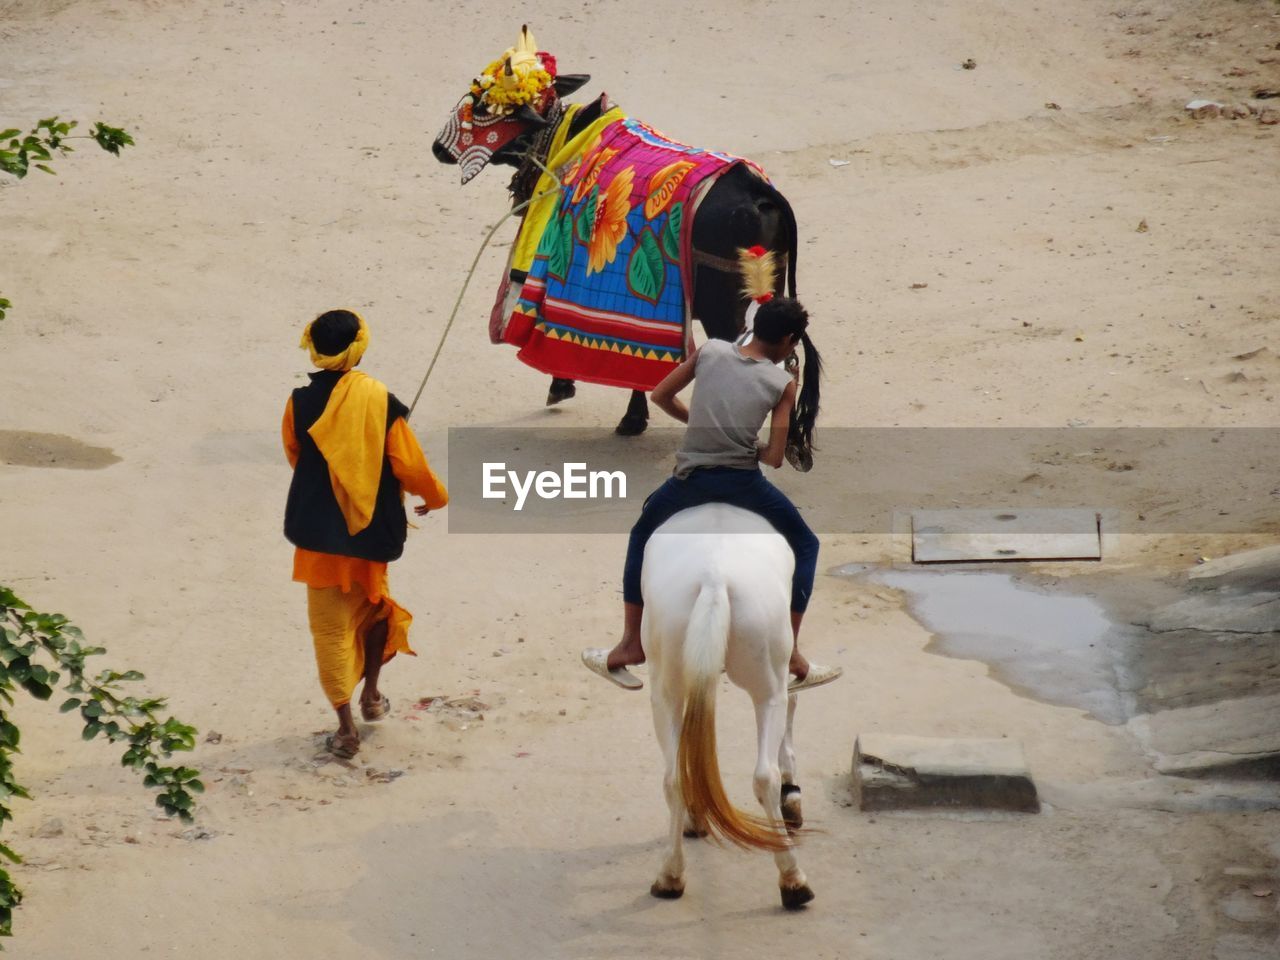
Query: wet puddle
x=22, y=448
x=1050, y=647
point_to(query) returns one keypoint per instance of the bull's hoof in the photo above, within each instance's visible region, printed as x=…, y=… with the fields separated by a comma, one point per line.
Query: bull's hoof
x=793, y=898
x=560, y=390
x=671, y=891
x=791, y=812
x=631, y=426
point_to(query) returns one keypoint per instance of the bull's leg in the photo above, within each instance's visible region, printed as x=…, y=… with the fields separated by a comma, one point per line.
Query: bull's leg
x=771, y=727
x=666, y=724
x=636, y=419
x=791, y=811
x=561, y=389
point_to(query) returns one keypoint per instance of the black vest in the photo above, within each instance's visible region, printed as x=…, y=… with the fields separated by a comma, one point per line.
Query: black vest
x=312, y=518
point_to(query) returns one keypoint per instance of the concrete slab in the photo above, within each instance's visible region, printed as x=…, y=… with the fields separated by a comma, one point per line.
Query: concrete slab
x=1251, y=569
x=955, y=536
x=1219, y=612
x=893, y=772
x=1211, y=736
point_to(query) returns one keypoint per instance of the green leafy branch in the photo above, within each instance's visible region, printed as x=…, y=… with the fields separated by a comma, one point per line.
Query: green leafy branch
x=26, y=638
x=20, y=153
x=37, y=148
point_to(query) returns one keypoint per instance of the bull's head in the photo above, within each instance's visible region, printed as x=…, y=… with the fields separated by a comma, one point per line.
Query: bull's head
x=507, y=104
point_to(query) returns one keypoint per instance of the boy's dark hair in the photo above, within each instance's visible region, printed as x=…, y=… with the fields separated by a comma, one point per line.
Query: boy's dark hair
x=779, y=318
x=334, y=331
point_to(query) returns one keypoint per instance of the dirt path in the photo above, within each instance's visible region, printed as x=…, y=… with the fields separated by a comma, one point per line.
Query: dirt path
x=283, y=167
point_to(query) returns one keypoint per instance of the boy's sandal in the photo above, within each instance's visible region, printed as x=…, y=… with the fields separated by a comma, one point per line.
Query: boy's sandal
x=596, y=660
x=373, y=712
x=341, y=747
x=816, y=677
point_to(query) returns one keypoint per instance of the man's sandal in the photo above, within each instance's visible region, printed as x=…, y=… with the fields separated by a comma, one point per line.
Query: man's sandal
x=816, y=677
x=597, y=661
x=341, y=747
x=373, y=712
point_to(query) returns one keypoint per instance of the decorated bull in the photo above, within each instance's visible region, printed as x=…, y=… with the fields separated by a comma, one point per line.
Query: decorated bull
x=628, y=235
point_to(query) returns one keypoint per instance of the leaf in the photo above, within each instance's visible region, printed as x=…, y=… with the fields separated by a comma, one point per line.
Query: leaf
x=671, y=233
x=9, y=854
x=111, y=139
x=646, y=271
x=41, y=691
x=9, y=134
x=560, y=250
x=587, y=216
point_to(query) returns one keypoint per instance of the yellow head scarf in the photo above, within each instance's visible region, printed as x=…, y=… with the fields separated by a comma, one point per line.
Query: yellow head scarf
x=345, y=360
x=351, y=432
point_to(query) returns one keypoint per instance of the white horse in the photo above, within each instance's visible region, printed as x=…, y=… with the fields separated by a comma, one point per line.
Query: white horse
x=717, y=590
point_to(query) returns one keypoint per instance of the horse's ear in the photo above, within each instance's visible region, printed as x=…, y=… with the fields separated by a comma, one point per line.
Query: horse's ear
x=530, y=115
x=567, y=83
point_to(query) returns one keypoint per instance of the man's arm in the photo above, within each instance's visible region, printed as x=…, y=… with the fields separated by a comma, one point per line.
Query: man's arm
x=410, y=467
x=290, y=436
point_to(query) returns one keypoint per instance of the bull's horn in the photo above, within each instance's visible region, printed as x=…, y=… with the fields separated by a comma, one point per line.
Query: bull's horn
x=530, y=115
x=526, y=43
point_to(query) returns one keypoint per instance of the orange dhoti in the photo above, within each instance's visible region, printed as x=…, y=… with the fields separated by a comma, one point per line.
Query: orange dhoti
x=341, y=618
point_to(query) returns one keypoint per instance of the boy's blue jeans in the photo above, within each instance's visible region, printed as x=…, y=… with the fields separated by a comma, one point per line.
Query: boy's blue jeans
x=747, y=489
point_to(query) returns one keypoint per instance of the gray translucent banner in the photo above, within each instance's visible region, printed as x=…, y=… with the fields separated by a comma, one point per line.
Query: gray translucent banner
x=1138, y=479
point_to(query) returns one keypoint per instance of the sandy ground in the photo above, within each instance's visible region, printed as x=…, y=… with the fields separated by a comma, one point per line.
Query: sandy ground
x=283, y=167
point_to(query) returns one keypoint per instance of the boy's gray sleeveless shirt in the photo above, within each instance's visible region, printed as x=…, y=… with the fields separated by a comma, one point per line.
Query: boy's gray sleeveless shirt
x=732, y=396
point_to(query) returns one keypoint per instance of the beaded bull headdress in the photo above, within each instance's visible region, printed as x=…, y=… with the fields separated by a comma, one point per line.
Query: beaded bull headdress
x=517, y=92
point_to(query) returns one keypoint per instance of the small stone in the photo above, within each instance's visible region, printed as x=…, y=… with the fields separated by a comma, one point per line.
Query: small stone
x=213, y=736
x=50, y=829
x=197, y=833
x=1269, y=117
x=970, y=64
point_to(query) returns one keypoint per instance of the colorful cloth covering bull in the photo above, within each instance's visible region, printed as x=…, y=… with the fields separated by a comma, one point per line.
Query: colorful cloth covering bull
x=607, y=296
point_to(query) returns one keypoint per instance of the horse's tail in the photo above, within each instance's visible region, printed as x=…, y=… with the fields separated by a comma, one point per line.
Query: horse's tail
x=700, y=785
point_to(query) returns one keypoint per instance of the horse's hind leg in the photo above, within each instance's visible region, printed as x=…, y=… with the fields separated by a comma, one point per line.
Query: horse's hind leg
x=791, y=811
x=667, y=719
x=636, y=419
x=771, y=727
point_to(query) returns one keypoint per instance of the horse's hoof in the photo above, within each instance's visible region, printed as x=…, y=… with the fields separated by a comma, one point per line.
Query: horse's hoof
x=560, y=390
x=793, y=898
x=693, y=833
x=630, y=426
x=791, y=812
x=672, y=892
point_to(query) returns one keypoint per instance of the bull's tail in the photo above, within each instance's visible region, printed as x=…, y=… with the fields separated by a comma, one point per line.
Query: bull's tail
x=700, y=785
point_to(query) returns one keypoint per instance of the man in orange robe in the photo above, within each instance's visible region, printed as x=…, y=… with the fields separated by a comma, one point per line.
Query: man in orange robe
x=353, y=457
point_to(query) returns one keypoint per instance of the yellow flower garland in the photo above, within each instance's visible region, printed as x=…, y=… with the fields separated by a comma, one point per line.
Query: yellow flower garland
x=500, y=95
